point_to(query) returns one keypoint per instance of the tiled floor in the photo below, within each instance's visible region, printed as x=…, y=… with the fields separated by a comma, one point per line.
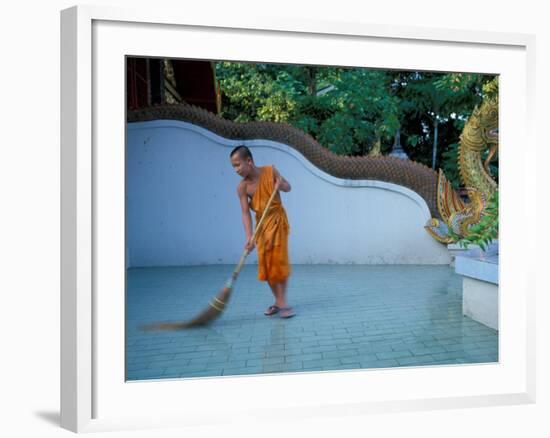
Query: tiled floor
x=348, y=317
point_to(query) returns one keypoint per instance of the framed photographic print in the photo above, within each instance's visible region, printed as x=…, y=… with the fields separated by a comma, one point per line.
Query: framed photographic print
x=252, y=207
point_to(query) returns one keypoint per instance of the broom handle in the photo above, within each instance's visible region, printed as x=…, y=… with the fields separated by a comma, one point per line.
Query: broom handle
x=258, y=225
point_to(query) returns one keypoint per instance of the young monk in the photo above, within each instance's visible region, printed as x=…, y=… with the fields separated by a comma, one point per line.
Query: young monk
x=254, y=191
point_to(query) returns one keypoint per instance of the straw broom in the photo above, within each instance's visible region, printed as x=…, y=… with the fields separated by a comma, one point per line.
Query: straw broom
x=217, y=304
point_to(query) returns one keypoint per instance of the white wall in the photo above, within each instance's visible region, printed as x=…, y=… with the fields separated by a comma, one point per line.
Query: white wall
x=182, y=207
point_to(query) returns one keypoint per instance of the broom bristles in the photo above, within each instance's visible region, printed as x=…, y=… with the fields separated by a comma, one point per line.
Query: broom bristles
x=214, y=310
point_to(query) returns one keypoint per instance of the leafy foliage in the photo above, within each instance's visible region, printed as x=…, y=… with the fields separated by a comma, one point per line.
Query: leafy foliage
x=450, y=165
x=349, y=110
x=486, y=230
x=434, y=109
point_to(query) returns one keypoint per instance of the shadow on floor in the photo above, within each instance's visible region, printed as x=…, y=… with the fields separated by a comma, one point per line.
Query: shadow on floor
x=52, y=417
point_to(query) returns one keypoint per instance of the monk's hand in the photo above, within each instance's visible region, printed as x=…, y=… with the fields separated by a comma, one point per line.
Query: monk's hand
x=249, y=245
x=278, y=182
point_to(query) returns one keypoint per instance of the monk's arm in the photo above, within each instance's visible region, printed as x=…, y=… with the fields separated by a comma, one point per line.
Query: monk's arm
x=247, y=218
x=284, y=185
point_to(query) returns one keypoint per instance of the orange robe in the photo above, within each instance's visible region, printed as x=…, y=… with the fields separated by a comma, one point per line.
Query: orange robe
x=272, y=237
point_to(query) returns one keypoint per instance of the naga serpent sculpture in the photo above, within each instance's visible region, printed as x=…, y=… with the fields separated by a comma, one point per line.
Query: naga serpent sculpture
x=479, y=134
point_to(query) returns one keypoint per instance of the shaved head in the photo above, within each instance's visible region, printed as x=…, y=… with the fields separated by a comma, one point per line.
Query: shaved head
x=242, y=152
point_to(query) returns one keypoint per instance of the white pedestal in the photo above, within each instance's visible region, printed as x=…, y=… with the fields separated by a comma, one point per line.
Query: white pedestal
x=480, y=284
x=480, y=301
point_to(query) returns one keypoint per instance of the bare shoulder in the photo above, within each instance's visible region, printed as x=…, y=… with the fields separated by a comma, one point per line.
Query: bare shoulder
x=241, y=188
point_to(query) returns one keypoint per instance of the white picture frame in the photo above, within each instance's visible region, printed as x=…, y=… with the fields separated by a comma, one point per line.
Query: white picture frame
x=92, y=396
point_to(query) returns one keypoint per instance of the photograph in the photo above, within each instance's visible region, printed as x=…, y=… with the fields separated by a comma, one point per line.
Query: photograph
x=298, y=218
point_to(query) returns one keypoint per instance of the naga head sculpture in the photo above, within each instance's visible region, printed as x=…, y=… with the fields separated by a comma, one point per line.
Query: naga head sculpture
x=481, y=130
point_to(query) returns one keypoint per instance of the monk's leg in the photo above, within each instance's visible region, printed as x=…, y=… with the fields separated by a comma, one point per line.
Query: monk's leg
x=282, y=288
x=286, y=311
x=274, y=308
x=279, y=290
x=274, y=291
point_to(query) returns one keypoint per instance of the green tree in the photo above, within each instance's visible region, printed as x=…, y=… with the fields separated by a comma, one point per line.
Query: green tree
x=351, y=109
x=256, y=92
x=358, y=109
x=367, y=110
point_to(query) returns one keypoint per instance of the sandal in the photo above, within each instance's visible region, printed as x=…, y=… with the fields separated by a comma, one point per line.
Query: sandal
x=271, y=310
x=287, y=312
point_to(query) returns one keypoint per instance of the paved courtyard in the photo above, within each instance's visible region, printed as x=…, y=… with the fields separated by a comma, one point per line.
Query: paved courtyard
x=348, y=317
